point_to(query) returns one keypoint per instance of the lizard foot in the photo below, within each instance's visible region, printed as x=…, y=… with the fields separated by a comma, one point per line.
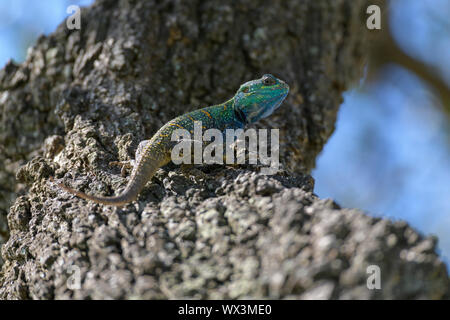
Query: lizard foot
x=125, y=165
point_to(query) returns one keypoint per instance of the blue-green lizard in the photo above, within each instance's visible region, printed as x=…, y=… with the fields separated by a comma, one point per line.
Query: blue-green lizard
x=253, y=101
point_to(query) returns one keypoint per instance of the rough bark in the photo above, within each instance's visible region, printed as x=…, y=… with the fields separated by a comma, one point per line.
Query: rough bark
x=85, y=98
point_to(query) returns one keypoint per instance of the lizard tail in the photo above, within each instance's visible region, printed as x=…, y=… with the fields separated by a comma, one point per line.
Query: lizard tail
x=120, y=200
x=139, y=177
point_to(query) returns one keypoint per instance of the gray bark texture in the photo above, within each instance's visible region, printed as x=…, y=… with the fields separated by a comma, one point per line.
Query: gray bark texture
x=86, y=97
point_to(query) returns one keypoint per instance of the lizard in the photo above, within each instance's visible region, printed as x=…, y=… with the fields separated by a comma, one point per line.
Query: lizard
x=254, y=100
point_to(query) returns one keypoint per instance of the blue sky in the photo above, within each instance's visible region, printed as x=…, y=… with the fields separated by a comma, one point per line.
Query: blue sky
x=22, y=21
x=389, y=154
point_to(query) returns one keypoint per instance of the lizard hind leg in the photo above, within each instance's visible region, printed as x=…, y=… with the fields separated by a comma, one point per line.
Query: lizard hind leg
x=130, y=164
x=125, y=165
x=140, y=149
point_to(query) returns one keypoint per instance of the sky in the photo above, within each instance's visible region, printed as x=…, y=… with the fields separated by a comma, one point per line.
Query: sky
x=390, y=152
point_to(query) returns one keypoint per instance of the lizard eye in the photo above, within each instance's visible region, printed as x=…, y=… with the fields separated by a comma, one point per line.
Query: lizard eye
x=245, y=90
x=267, y=81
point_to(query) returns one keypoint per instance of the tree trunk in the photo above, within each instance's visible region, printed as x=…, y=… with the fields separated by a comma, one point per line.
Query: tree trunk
x=86, y=97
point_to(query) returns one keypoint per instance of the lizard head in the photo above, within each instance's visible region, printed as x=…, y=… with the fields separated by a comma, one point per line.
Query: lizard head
x=257, y=99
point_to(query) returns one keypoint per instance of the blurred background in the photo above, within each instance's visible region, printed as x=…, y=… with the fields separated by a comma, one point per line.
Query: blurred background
x=390, y=152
